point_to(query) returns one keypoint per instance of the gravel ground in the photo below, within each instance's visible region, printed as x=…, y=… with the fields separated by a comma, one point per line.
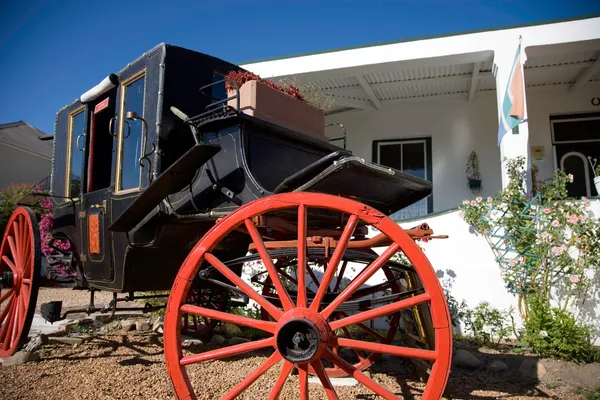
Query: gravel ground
x=120, y=365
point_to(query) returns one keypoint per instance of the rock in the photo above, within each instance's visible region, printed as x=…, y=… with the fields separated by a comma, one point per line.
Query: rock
x=73, y=341
x=69, y=326
x=238, y=340
x=231, y=330
x=465, y=359
x=531, y=368
x=104, y=318
x=21, y=357
x=217, y=339
x=496, y=366
x=219, y=329
x=192, y=342
x=143, y=325
x=158, y=325
x=85, y=321
x=34, y=344
x=128, y=325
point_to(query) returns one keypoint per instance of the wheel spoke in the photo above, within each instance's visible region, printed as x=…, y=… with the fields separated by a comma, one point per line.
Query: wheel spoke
x=266, y=258
x=19, y=242
x=16, y=318
x=301, y=273
x=335, y=260
x=247, y=289
x=303, y=378
x=359, y=376
x=367, y=329
x=380, y=348
x=283, y=375
x=380, y=311
x=13, y=250
x=266, y=326
x=245, y=384
x=228, y=351
x=340, y=276
x=329, y=390
x=5, y=311
x=364, y=276
x=10, y=263
x=6, y=328
x=5, y=296
x=313, y=277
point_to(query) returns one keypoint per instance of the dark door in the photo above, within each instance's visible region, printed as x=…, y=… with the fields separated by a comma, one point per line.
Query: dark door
x=96, y=204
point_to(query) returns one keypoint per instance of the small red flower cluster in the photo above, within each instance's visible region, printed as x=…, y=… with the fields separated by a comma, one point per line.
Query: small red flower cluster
x=241, y=77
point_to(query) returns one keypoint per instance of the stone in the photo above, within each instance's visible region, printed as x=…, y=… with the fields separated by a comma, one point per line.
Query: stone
x=217, y=339
x=231, y=330
x=73, y=341
x=531, y=368
x=465, y=359
x=34, y=344
x=238, y=340
x=85, y=321
x=21, y=357
x=69, y=326
x=143, y=325
x=158, y=326
x=127, y=325
x=104, y=318
x=219, y=329
x=497, y=366
x=192, y=342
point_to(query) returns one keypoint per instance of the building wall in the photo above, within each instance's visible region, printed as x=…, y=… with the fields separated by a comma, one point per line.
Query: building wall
x=456, y=127
x=544, y=102
x=17, y=166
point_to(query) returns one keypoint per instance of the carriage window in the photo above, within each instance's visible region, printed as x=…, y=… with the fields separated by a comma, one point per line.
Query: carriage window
x=131, y=134
x=75, y=163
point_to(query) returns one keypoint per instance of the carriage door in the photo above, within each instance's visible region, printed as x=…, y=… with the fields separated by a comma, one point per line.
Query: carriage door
x=95, y=234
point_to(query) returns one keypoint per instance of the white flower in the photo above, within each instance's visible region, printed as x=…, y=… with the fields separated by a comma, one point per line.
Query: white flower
x=466, y=202
x=543, y=334
x=479, y=199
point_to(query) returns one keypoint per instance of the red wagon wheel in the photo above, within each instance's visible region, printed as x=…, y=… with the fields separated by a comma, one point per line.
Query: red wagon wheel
x=361, y=360
x=194, y=325
x=20, y=263
x=302, y=332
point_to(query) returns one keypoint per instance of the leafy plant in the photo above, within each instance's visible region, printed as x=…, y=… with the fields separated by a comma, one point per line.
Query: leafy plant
x=554, y=332
x=9, y=196
x=472, y=169
x=486, y=323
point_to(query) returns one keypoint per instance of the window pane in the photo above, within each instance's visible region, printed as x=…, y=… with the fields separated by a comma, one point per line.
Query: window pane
x=132, y=138
x=77, y=129
x=576, y=130
x=413, y=159
x=390, y=155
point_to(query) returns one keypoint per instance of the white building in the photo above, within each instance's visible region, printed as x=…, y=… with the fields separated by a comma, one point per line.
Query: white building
x=423, y=105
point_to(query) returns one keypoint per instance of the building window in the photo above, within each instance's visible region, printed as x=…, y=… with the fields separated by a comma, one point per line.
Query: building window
x=576, y=137
x=413, y=157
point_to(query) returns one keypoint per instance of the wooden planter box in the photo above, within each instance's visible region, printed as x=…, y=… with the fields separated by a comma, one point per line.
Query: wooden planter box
x=266, y=103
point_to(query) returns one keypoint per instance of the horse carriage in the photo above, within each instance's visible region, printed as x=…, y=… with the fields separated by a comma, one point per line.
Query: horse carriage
x=162, y=180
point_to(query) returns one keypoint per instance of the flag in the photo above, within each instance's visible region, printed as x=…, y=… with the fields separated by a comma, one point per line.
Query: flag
x=513, y=104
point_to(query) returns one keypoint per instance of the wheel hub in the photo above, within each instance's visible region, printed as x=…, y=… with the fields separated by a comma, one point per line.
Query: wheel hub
x=302, y=335
x=6, y=280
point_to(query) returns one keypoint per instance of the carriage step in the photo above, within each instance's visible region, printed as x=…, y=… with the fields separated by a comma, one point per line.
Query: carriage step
x=51, y=311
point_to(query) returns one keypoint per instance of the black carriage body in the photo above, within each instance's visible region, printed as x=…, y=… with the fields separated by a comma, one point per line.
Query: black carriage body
x=134, y=200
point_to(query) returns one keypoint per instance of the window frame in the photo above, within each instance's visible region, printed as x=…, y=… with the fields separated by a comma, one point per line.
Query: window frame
x=426, y=140
x=119, y=162
x=70, y=127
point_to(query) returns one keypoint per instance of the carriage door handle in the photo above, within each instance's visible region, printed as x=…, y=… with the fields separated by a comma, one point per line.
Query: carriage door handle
x=111, y=127
x=77, y=142
x=101, y=207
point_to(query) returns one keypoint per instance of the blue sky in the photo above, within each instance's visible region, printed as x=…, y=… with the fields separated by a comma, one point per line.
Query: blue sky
x=52, y=51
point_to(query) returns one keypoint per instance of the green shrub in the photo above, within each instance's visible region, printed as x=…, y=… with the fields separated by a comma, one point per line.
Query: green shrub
x=9, y=196
x=487, y=323
x=554, y=332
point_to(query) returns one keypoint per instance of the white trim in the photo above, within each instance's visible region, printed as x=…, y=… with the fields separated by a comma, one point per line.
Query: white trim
x=474, y=80
x=369, y=91
x=586, y=75
x=585, y=165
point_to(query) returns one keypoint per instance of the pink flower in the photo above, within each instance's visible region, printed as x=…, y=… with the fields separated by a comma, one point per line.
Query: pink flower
x=574, y=279
x=555, y=223
x=557, y=251
x=570, y=176
x=489, y=199
x=582, y=218
x=465, y=202
x=573, y=219
x=479, y=199
x=512, y=262
x=547, y=211
x=473, y=203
